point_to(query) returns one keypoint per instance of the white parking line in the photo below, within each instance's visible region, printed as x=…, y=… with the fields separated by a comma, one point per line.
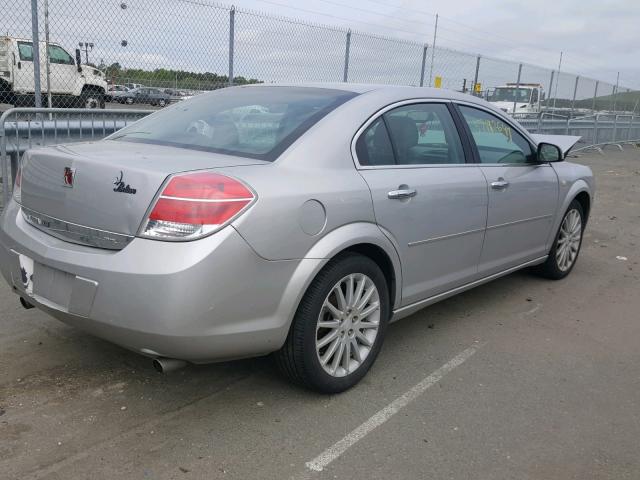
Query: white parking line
x=341, y=446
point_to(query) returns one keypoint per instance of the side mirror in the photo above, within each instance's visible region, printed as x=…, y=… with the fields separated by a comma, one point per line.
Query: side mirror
x=547, y=152
x=78, y=60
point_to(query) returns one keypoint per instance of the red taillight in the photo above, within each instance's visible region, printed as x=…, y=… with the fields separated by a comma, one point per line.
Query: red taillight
x=195, y=204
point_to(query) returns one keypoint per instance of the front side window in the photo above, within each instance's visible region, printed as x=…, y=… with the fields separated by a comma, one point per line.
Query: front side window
x=511, y=94
x=59, y=56
x=25, y=49
x=496, y=140
x=255, y=122
x=417, y=134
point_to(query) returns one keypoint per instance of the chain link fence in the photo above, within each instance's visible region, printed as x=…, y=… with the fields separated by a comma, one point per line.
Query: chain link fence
x=150, y=53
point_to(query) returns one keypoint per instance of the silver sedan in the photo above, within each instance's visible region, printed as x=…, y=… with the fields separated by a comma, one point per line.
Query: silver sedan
x=293, y=220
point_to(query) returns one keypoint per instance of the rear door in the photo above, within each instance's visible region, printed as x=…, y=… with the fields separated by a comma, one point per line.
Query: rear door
x=523, y=193
x=426, y=198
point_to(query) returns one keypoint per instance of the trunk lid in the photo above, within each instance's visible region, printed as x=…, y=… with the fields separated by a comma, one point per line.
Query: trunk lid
x=107, y=185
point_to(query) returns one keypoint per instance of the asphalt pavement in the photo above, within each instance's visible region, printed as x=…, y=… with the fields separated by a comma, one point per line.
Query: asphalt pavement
x=521, y=378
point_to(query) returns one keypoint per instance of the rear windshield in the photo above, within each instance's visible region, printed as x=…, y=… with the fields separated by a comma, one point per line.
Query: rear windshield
x=255, y=122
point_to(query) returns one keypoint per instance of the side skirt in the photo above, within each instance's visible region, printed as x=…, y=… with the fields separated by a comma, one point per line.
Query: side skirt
x=419, y=305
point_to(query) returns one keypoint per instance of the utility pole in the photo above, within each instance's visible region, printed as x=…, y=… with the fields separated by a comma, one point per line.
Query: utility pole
x=433, y=51
x=555, y=95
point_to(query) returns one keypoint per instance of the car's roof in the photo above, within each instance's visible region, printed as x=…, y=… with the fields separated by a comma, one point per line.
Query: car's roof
x=360, y=88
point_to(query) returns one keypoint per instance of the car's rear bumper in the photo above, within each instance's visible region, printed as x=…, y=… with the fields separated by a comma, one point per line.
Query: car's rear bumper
x=200, y=301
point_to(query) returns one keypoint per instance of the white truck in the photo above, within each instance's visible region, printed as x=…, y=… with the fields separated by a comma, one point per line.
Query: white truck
x=72, y=83
x=527, y=97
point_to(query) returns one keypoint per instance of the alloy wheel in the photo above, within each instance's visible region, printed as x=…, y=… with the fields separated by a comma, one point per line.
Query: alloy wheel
x=348, y=325
x=569, y=239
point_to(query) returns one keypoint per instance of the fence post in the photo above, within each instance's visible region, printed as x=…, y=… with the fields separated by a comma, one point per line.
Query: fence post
x=517, y=88
x=36, y=53
x=615, y=92
x=6, y=184
x=347, y=48
x=232, y=24
x=475, y=77
x=595, y=129
x=553, y=72
x=575, y=91
x=424, y=64
x=433, y=51
x=595, y=94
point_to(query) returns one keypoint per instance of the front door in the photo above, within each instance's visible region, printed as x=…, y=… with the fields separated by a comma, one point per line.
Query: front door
x=430, y=202
x=523, y=193
x=24, y=69
x=64, y=71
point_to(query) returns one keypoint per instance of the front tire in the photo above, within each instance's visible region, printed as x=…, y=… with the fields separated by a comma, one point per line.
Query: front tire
x=339, y=327
x=91, y=99
x=566, y=245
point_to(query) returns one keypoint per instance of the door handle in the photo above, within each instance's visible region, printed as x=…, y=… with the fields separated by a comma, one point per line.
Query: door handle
x=499, y=184
x=404, y=193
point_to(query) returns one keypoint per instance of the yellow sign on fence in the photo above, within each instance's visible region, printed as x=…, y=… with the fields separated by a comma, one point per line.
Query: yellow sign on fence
x=438, y=82
x=477, y=88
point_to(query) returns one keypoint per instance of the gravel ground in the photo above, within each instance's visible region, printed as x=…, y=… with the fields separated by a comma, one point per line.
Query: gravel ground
x=533, y=380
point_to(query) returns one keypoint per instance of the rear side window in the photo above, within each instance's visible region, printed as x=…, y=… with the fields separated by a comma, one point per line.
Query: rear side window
x=496, y=140
x=25, y=49
x=254, y=122
x=374, y=146
x=424, y=133
x=417, y=134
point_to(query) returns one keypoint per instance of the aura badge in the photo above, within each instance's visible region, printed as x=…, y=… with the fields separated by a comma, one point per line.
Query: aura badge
x=122, y=187
x=69, y=176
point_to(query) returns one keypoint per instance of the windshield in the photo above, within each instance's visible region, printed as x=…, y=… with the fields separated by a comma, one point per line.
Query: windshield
x=255, y=122
x=509, y=94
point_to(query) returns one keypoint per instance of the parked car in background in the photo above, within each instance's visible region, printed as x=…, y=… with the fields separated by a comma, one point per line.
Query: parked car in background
x=150, y=96
x=73, y=84
x=197, y=235
x=114, y=92
x=132, y=86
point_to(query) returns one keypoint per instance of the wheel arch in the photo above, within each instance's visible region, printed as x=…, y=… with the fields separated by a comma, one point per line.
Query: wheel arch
x=584, y=199
x=363, y=238
x=579, y=191
x=90, y=87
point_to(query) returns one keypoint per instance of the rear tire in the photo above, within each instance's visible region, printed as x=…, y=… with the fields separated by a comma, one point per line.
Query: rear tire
x=566, y=245
x=329, y=349
x=6, y=94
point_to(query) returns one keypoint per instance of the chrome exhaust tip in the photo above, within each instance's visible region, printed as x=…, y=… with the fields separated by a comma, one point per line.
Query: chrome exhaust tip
x=166, y=365
x=25, y=304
